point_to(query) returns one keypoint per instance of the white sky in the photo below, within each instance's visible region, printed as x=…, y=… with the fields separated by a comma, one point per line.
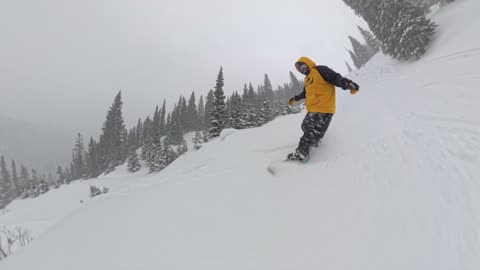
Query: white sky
x=63, y=61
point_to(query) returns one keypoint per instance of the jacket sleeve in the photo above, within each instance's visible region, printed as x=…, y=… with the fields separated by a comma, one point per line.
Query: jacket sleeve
x=333, y=77
x=301, y=95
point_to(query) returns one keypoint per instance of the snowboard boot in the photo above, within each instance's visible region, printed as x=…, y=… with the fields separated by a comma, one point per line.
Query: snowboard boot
x=298, y=155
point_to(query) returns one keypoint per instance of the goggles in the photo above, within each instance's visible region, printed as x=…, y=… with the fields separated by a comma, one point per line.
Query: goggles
x=303, y=68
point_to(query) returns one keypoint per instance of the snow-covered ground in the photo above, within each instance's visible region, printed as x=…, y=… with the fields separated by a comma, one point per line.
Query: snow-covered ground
x=394, y=185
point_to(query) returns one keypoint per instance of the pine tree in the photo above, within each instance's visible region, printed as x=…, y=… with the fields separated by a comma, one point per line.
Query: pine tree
x=192, y=114
x=78, y=158
x=146, y=138
x=6, y=194
x=371, y=41
x=208, y=109
x=163, y=125
x=361, y=51
x=200, y=115
x=235, y=114
x=197, y=140
x=268, y=89
x=168, y=154
x=175, y=133
x=266, y=114
x=131, y=140
x=205, y=136
x=62, y=176
x=93, y=169
x=296, y=86
x=24, y=178
x=139, y=132
x=154, y=157
x=355, y=60
x=250, y=117
x=133, y=163
x=218, y=113
x=113, y=135
x=68, y=175
x=15, y=180
x=182, y=148
x=349, y=68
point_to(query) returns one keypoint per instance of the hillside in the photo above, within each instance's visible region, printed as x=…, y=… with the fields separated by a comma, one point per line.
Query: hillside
x=395, y=184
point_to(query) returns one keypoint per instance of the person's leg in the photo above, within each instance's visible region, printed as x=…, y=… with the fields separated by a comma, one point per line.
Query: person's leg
x=314, y=127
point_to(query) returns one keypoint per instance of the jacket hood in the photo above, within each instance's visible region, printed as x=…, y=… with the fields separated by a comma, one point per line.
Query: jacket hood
x=307, y=61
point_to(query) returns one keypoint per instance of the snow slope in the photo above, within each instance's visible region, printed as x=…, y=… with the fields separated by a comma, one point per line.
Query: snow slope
x=394, y=185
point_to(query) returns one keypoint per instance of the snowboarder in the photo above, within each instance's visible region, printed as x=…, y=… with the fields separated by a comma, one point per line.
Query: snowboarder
x=319, y=95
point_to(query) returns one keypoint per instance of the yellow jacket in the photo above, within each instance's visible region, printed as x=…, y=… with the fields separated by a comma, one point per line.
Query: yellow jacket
x=319, y=91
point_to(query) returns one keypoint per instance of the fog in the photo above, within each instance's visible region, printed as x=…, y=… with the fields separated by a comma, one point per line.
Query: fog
x=63, y=61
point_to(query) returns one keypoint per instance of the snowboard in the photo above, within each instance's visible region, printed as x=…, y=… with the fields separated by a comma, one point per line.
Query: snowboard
x=275, y=167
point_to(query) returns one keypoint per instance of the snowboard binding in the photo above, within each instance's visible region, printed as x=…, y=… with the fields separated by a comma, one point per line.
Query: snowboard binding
x=297, y=155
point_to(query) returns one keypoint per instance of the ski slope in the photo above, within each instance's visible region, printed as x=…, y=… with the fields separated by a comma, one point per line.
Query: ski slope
x=395, y=184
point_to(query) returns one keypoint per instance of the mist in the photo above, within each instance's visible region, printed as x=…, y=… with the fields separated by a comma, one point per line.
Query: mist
x=63, y=61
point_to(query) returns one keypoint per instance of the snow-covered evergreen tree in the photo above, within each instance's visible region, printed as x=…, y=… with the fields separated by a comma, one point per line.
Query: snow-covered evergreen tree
x=349, y=68
x=205, y=136
x=154, y=156
x=24, y=177
x=15, y=180
x=208, y=109
x=61, y=175
x=197, y=140
x=218, y=114
x=139, y=132
x=112, y=139
x=402, y=28
x=6, y=194
x=266, y=114
x=78, y=158
x=355, y=60
x=156, y=160
x=235, y=111
x=182, y=148
x=372, y=42
x=268, y=89
x=361, y=51
x=250, y=109
x=146, y=138
x=200, y=115
x=191, y=114
x=168, y=154
x=295, y=86
x=133, y=163
x=163, y=124
x=93, y=168
x=175, y=132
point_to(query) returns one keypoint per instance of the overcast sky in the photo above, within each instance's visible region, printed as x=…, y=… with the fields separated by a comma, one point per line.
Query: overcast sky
x=62, y=61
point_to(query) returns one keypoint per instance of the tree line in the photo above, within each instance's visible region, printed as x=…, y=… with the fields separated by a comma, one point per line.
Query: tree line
x=22, y=182
x=159, y=139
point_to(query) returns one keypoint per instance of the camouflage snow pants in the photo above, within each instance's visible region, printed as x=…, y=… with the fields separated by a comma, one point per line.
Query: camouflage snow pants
x=314, y=127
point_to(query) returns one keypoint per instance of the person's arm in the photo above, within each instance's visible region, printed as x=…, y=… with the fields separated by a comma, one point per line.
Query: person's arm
x=298, y=97
x=301, y=95
x=336, y=79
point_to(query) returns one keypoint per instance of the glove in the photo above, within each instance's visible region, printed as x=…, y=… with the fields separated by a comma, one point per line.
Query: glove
x=291, y=101
x=353, y=87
